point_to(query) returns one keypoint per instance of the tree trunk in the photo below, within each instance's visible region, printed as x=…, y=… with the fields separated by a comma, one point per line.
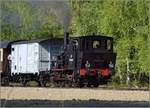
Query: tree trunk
x=128, y=71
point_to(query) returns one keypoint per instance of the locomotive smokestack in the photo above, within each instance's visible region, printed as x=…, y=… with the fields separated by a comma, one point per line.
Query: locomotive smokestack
x=66, y=39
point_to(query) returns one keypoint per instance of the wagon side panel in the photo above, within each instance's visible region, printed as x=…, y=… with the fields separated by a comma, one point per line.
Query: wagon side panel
x=44, y=59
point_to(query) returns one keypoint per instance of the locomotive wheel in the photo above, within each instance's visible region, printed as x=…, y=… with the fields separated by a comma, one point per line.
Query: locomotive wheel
x=70, y=84
x=88, y=85
x=95, y=85
x=80, y=82
x=81, y=85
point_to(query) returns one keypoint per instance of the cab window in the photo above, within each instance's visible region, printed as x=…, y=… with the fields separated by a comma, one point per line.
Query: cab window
x=96, y=44
x=108, y=45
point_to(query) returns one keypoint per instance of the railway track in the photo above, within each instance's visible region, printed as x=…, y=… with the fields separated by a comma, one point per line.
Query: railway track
x=104, y=87
x=9, y=93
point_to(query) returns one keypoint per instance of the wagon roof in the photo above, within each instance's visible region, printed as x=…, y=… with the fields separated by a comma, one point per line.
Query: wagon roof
x=4, y=44
x=37, y=40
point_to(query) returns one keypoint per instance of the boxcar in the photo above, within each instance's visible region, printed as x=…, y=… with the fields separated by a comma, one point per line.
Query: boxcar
x=30, y=59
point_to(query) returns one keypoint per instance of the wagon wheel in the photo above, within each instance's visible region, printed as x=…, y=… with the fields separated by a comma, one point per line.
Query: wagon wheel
x=39, y=83
x=43, y=83
x=23, y=82
x=5, y=81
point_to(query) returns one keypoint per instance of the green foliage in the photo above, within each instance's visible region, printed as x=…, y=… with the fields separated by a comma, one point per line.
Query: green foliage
x=20, y=20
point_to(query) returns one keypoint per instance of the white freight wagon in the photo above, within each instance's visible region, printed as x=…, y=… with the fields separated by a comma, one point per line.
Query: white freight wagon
x=34, y=57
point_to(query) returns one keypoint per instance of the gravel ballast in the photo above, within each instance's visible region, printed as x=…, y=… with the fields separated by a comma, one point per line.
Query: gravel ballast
x=12, y=93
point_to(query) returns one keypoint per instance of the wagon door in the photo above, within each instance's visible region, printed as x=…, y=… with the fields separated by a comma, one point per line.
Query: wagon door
x=22, y=63
x=32, y=59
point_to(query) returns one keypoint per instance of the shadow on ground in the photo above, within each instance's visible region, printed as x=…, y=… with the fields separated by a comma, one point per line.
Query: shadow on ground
x=71, y=103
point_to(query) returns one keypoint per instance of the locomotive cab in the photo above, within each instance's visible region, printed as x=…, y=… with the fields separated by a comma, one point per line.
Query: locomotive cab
x=94, y=58
x=98, y=51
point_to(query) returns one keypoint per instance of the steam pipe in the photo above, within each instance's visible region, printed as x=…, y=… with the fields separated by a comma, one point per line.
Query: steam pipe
x=66, y=39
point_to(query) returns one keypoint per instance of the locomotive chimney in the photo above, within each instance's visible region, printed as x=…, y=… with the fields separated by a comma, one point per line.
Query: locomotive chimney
x=66, y=39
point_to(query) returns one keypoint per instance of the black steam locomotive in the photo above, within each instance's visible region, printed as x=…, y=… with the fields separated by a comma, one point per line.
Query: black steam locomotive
x=85, y=61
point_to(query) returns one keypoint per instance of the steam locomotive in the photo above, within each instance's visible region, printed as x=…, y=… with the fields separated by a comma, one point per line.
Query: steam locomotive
x=82, y=61
x=87, y=60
